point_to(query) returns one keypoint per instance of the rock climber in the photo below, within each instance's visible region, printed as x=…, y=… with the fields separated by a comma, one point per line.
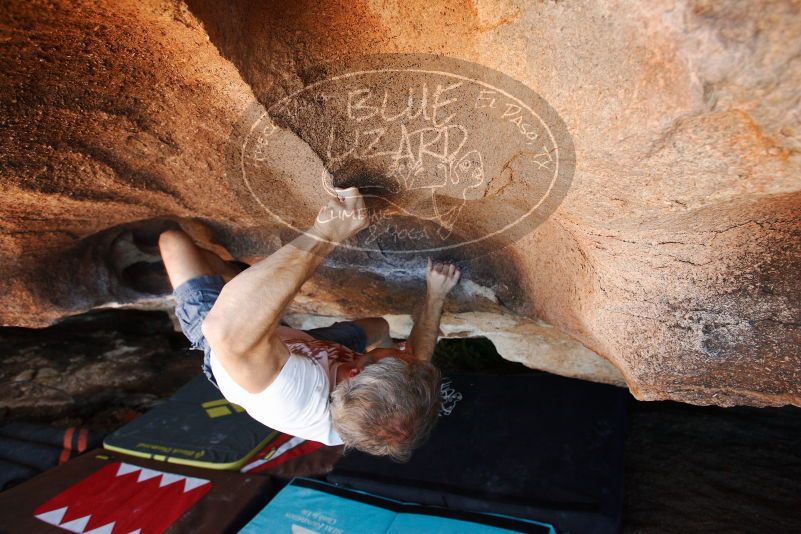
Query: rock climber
x=348, y=383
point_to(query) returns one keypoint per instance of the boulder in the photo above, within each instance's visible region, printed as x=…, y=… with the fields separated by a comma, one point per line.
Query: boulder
x=672, y=251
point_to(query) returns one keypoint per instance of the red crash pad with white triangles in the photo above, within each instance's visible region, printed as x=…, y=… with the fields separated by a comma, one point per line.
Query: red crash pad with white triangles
x=281, y=449
x=107, y=493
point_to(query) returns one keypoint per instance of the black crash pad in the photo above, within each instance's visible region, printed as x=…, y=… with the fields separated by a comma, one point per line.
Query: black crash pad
x=531, y=445
x=29, y=448
x=197, y=427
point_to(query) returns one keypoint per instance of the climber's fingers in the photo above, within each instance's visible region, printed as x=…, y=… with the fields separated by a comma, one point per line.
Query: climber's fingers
x=350, y=197
x=455, y=276
x=343, y=216
x=446, y=268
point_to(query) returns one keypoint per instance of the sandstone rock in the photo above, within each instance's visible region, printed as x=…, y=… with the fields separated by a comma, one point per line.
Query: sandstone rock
x=468, y=314
x=675, y=254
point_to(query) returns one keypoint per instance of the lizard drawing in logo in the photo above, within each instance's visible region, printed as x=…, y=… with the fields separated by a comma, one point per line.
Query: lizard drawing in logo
x=431, y=176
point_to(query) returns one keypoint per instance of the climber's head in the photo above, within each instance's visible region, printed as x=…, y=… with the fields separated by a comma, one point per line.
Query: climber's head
x=387, y=407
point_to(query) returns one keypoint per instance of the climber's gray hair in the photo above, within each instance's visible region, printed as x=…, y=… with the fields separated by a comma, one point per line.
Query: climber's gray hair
x=389, y=408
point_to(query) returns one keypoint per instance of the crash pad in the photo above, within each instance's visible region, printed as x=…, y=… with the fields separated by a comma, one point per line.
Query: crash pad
x=277, y=451
x=198, y=427
x=529, y=445
x=29, y=448
x=310, y=506
x=108, y=493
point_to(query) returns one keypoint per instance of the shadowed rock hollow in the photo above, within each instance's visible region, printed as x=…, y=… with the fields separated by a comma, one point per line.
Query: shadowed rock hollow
x=674, y=256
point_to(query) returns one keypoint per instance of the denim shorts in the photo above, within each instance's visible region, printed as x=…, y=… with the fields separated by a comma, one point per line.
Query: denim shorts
x=194, y=298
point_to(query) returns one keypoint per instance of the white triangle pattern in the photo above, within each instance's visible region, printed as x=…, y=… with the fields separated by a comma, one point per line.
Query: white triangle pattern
x=126, y=468
x=77, y=525
x=108, y=528
x=169, y=478
x=147, y=474
x=53, y=517
x=190, y=483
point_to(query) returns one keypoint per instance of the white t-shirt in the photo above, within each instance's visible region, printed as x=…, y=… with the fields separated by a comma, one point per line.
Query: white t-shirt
x=297, y=402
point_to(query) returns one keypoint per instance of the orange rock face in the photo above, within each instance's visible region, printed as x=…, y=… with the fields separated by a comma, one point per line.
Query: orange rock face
x=675, y=254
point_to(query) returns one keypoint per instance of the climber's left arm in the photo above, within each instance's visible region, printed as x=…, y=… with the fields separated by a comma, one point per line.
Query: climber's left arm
x=440, y=279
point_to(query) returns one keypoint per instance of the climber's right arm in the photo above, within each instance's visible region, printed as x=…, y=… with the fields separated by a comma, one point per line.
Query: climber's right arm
x=241, y=327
